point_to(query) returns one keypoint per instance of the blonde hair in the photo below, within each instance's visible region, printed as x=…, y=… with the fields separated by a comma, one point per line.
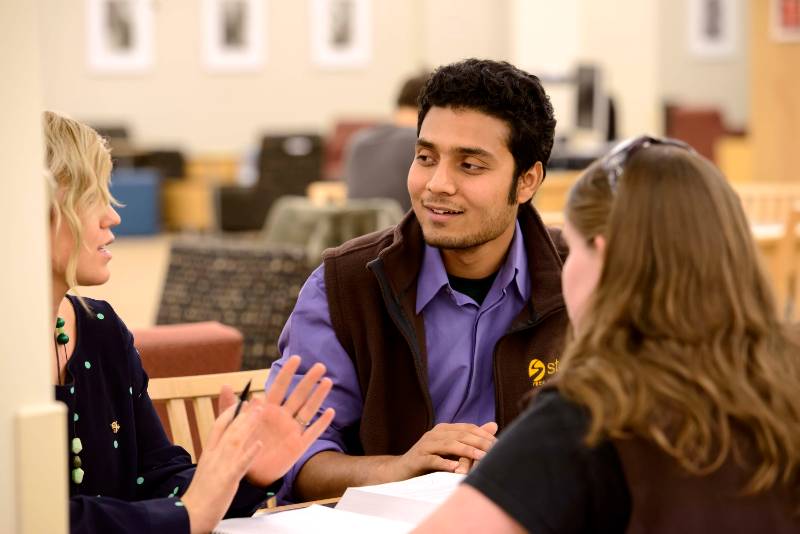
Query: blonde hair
x=79, y=164
x=681, y=344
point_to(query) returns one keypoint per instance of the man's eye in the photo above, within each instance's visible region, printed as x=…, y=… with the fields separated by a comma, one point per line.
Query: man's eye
x=471, y=167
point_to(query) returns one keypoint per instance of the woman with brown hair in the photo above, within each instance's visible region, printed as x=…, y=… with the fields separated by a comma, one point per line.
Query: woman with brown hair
x=676, y=408
x=125, y=476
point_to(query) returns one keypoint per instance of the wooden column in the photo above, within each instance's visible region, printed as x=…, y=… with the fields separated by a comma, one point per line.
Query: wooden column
x=775, y=100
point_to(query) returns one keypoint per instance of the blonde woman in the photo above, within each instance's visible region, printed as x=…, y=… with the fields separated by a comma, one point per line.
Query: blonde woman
x=677, y=408
x=125, y=476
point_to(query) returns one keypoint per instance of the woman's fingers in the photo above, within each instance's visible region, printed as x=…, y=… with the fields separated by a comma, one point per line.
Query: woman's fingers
x=280, y=385
x=226, y=398
x=464, y=465
x=318, y=427
x=304, y=388
x=219, y=426
x=309, y=409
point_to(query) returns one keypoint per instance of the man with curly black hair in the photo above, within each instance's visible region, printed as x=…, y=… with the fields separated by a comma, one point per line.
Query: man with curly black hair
x=434, y=330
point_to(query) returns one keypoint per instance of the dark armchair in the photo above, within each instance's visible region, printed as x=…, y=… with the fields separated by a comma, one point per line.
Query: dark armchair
x=287, y=164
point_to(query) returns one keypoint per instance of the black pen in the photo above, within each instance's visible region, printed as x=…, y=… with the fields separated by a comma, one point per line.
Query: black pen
x=242, y=398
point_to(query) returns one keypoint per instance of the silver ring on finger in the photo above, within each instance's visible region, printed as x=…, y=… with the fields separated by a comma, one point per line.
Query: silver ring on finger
x=301, y=421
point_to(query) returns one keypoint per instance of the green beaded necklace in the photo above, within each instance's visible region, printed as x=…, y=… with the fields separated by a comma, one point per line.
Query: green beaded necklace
x=61, y=339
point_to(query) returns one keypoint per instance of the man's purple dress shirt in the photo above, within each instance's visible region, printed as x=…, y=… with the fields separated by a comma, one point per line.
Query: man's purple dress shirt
x=460, y=337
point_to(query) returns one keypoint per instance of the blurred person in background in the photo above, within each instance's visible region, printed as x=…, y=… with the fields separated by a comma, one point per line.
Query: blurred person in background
x=377, y=158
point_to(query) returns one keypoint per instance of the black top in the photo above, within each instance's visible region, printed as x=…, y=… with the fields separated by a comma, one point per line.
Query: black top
x=475, y=288
x=541, y=474
x=132, y=476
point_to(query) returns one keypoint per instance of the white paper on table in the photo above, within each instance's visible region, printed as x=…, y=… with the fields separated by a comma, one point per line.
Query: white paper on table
x=408, y=500
x=314, y=518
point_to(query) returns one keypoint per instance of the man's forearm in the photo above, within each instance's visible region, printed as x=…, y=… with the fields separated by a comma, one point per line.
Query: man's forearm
x=329, y=473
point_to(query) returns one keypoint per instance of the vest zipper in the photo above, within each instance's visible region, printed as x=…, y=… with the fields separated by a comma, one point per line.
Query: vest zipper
x=395, y=310
x=532, y=323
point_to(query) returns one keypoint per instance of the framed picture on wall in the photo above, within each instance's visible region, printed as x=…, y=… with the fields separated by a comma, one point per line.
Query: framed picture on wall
x=713, y=28
x=119, y=36
x=785, y=20
x=233, y=35
x=341, y=33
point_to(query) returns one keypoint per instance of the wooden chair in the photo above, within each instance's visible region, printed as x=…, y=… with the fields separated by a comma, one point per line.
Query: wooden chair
x=787, y=268
x=552, y=195
x=767, y=202
x=199, y=390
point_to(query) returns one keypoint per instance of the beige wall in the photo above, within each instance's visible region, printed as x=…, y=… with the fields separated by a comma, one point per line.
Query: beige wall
x=624, y=41
x=642, y=46
x=544, y=35
x=687, y=79
x=180, y=103
x=552, y=37
x=26, y=488
x=453, y=30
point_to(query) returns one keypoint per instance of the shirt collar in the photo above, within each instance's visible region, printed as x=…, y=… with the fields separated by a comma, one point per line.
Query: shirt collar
x=433, y=275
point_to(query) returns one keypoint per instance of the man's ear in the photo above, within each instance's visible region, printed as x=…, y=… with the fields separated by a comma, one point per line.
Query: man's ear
x=529, y=183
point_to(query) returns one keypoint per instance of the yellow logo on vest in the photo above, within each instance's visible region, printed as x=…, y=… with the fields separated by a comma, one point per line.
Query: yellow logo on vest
x=538, y=370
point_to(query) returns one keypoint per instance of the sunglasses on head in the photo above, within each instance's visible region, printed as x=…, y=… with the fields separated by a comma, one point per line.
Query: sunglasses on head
x=614, y=162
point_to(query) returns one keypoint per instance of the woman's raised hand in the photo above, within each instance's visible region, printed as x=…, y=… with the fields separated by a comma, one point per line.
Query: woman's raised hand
x=285, y=427
x=231, y=448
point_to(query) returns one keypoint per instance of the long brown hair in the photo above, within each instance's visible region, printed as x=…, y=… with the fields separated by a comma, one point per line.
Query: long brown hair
x=681, y=344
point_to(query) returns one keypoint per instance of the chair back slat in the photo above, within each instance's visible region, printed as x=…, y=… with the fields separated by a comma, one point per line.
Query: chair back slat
x=179, y=424
x=204, y=414
x=767, y=202
x=200, y=390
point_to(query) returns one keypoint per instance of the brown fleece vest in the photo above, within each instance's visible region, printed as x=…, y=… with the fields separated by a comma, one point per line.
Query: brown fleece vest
x=665, y=499
x=371, y=284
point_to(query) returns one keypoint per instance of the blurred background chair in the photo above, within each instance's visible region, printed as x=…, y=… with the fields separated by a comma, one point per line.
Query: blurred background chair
x=767, y=202
x=188, y=202
x=287, y=164
x=199, y=391
x=701, y=127
x=119, y=140
x=335, y=145
x=139, y=190
x=170, y=164
x=187, y=349
x=248, y=285
x=298, y=221
x=327, y=192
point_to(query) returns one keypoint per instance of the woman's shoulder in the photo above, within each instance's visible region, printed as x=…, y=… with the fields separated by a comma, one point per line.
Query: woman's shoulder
x=100, y=311
x=549, y=409
x=95, y=305
x=98, y=324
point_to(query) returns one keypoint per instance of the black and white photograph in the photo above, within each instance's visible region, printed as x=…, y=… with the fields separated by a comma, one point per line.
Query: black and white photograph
x=120, y=36
x=233, y=35
x=341, y=35
x=713, y=28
